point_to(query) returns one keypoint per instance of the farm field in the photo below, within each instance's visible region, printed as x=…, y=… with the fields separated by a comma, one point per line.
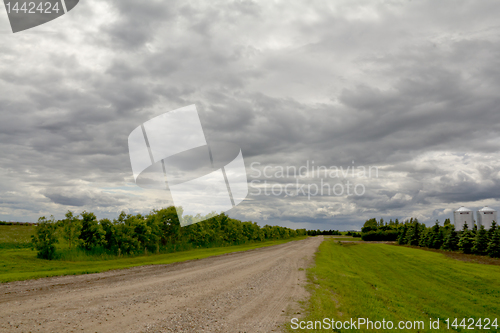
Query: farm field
x=380, y=281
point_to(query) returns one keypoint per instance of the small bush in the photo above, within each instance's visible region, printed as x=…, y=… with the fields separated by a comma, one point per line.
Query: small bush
x=45, y=238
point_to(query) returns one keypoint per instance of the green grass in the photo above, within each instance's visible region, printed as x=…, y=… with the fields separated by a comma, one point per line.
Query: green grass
x=344, y=238
x=22, y=264
x=379, y=281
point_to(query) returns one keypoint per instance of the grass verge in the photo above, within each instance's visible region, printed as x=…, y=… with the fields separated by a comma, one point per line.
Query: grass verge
x=379, y=281
x=22, y=264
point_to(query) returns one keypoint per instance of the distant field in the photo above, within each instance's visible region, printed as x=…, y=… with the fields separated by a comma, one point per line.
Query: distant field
x=15, y=236
x=19, y=262
x=379, y=281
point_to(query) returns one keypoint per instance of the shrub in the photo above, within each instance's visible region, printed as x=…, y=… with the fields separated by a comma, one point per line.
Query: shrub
x=45, y=238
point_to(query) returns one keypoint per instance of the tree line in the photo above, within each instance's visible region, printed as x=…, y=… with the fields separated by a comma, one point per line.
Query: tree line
x=323, y=232
x=158, y=231
x=16, y=223
x=412, y=232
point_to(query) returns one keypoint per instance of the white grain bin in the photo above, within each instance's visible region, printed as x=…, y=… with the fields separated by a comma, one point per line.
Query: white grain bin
x=461, y=216
x=486, y=216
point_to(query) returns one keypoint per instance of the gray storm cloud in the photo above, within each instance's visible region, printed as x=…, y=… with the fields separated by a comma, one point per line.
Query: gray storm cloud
x=410, y=87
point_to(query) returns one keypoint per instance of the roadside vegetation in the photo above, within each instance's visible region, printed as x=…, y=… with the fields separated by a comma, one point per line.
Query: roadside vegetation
x=380, y=281
x=154, y=233
x=80, y=243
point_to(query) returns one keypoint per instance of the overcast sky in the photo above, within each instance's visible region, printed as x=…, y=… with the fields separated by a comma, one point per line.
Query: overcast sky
x=409, y=87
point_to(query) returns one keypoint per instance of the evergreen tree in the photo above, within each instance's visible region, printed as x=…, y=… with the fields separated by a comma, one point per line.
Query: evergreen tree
x=447, y=226
x=425, y=238
x=492, y=230
x=473, y=230
x=402, y=234
x=466, y=241
x=493, y=249
x=437, y=237
x=413, y=237
x=480, y=241
x=451, y=242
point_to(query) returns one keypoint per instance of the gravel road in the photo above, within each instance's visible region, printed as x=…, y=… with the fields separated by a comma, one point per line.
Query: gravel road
x=252, y=291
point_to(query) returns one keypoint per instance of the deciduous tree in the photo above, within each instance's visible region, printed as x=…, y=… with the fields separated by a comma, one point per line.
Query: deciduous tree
x=72, y=228
x=92, y=233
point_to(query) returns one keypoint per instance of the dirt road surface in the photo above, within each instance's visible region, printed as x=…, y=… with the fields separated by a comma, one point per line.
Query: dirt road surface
x=252, y=291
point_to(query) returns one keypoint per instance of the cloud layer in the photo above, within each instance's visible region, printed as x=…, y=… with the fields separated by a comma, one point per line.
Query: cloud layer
x=409, y=87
